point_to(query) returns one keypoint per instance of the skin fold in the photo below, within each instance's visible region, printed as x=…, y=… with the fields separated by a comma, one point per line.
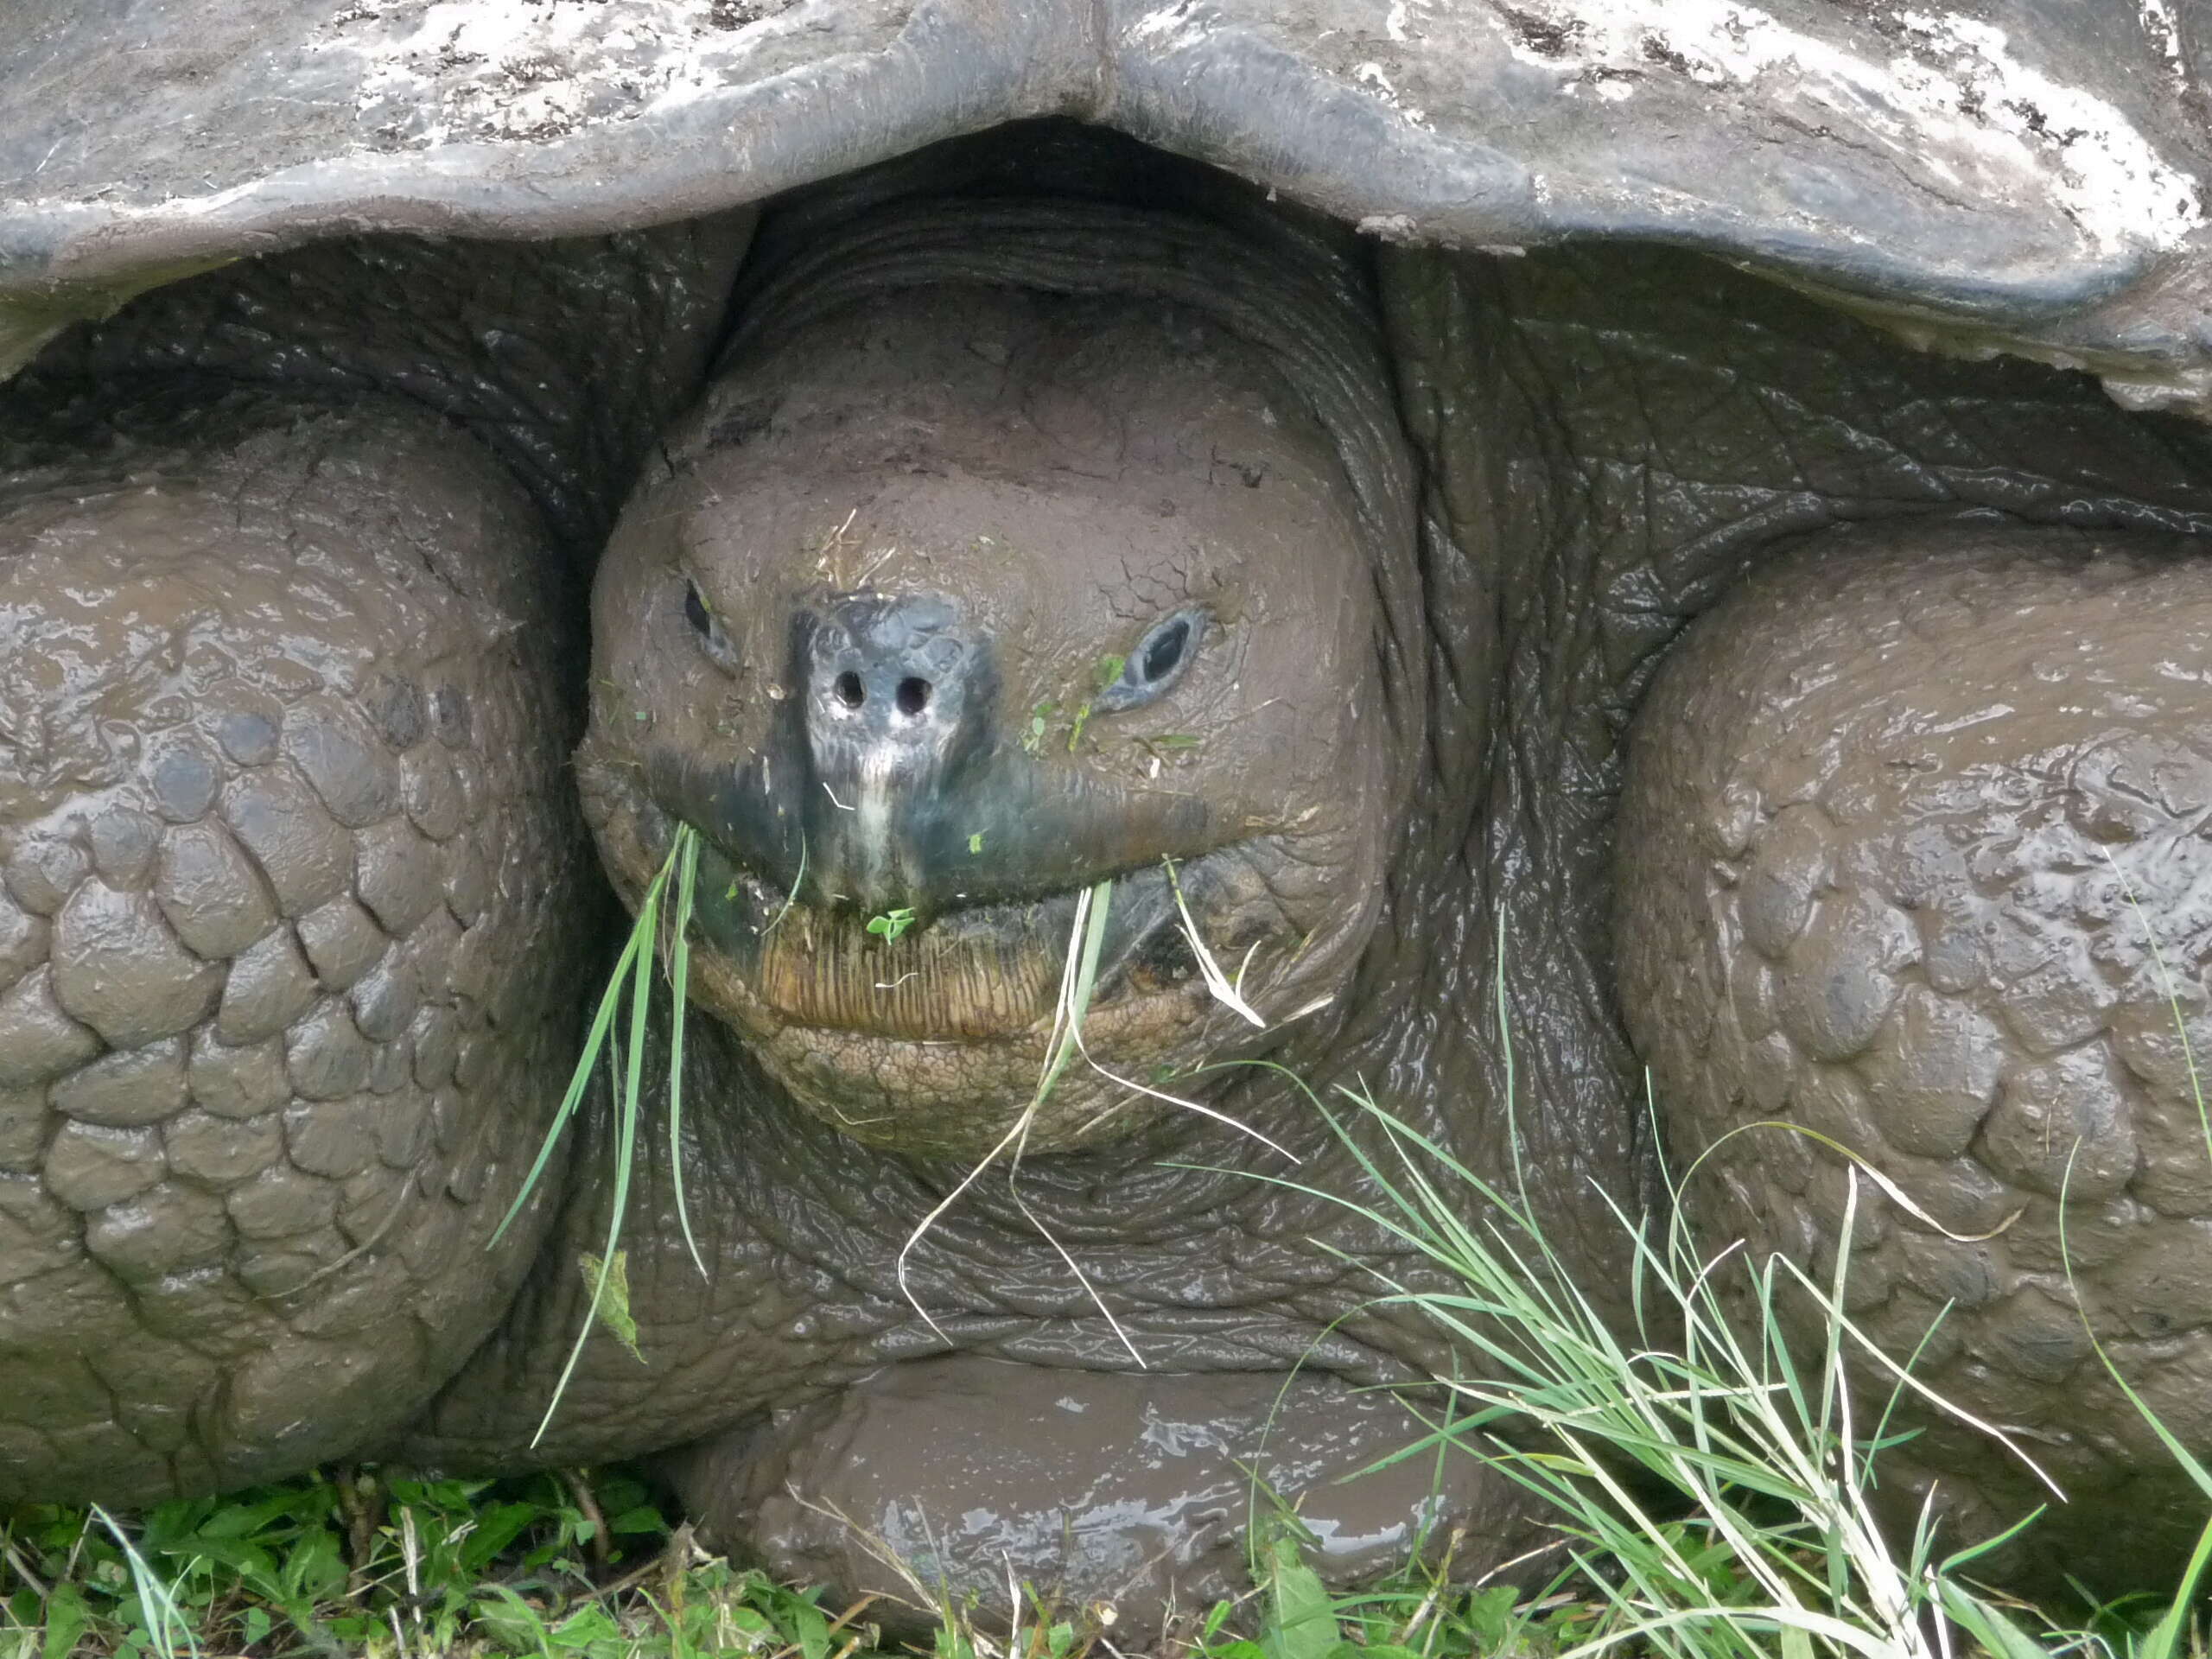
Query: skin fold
x=1488, y=571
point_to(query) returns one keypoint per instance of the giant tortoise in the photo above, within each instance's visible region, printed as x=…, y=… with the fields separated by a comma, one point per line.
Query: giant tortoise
x=1496, y=546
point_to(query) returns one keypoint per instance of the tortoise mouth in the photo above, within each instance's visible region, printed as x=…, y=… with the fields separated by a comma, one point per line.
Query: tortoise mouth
x=970, y=973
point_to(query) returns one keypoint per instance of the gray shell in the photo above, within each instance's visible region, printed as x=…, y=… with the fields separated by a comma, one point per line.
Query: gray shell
x=2016, y=174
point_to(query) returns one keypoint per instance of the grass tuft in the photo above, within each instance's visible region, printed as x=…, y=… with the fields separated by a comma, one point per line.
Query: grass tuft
x=353, y=1561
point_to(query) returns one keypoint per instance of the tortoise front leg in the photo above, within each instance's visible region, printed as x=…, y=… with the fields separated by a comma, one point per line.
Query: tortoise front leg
x=1904, y=817
x=291, y=931
x=948, y=1479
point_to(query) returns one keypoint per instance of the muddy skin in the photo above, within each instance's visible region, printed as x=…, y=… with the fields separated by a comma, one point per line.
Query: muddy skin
x=1610, y=444
x=295, y=895
x=1905, y=819
x=563, y=358
x=282, y=795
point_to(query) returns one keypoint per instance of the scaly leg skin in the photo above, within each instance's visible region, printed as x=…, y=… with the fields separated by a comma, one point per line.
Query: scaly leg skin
x=1901, y=818
x=290, y=922
x=938, y=1482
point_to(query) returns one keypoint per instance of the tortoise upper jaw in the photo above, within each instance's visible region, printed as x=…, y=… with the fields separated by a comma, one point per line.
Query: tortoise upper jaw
x=931, y=828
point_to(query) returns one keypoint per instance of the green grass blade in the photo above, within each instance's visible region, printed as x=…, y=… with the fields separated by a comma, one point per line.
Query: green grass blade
x=640, y=988
x=1086, y=980
x=164, y=1621
x=1985, y=1624
x=2165, y=1637
x=594, y=1043
x=679, y=982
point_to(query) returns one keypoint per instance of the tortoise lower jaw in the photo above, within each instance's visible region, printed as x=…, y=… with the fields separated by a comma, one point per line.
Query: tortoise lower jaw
x=963, y=1096
x=933, y=1043
x=984, y=973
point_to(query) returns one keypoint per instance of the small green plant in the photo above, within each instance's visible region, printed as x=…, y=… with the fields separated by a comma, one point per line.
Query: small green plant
x=574, y=1565
x=891, y=926
x=976, y=843
x=1040, y=718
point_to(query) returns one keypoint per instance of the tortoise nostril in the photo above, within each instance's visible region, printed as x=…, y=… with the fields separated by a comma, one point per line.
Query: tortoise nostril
x=849, y=689
x=912, y=696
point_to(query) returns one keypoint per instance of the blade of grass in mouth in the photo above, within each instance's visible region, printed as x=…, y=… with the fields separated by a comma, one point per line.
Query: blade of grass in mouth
x=1076, y=990
x=595, y=1042
x=626, y=1149
x=629, y=989
x=679, y=988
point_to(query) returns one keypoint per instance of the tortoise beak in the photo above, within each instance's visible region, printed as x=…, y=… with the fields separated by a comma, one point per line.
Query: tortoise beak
x=889, y=778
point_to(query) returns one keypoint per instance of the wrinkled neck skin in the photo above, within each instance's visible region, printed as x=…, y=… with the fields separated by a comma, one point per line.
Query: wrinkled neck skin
x=1182, y=1232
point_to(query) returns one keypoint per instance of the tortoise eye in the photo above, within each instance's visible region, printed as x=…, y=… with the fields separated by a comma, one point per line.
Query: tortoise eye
x=703, y=623
x=1158, y=662
x=1163, y=650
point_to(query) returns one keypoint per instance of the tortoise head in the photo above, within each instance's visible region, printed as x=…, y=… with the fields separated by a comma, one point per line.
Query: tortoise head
x=1015, y=658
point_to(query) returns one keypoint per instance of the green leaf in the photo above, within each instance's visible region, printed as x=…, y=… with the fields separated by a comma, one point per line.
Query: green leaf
x=314, y=1569
x=1987, y=1625
x=892, y=925
x=976, y=843
x=66, y=1617
x=496, y=1529
x=811, y=1630
x=1301, y=1619
x=615, y=1301
x=1489, y=1615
